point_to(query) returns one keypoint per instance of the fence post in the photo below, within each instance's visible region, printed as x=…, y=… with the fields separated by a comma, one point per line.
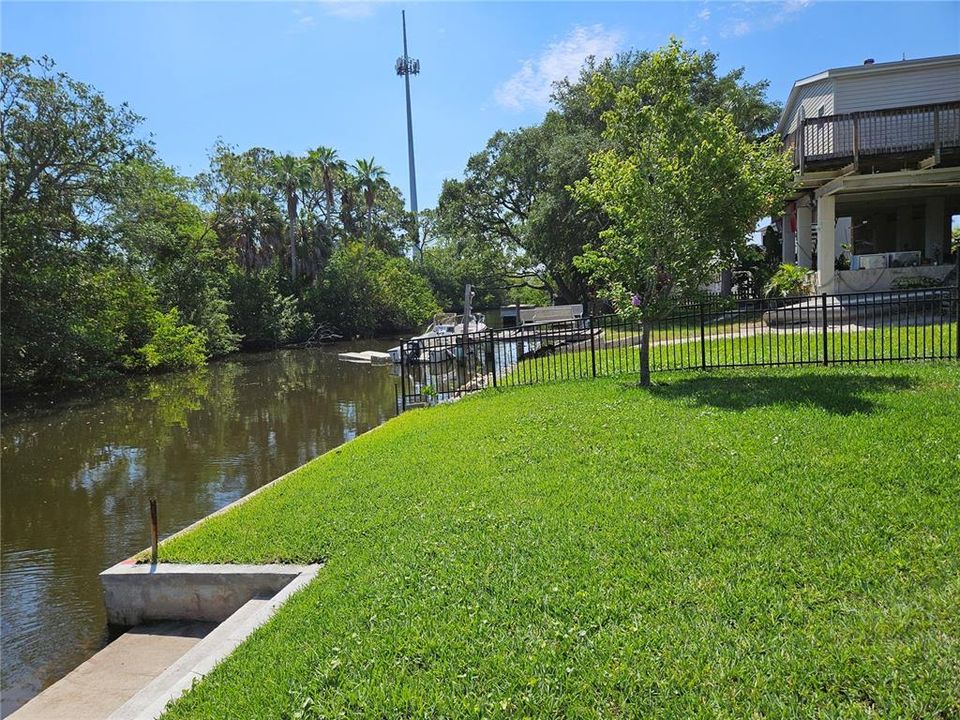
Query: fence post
x=801, y=145
x=403, y=377
x=936, y=136
x=956, y=306
x=493, y=357
x=593, y=347
x=703, y=340
x=826, y=359
x=856, y=140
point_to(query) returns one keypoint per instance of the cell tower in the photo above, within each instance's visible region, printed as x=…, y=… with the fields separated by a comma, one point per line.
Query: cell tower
x=408, y=66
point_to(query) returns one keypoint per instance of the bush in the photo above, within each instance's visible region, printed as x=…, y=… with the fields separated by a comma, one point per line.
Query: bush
x=262, y=315
x=405, y=296
x=172, y=346
x=365, y=292
x=916, y=282
x=787, y=281
x=213, y=318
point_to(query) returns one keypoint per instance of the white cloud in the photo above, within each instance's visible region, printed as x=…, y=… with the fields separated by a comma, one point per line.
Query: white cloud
x=348, y=9
x=303, y=21
x=531, y=85
x=704, y=14
x=753, y=16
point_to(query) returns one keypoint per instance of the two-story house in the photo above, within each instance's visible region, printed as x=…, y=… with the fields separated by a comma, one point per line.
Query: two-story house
x=876, y=152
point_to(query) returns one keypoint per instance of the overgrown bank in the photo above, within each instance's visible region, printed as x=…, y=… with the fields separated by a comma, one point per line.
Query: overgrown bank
x=775, y=543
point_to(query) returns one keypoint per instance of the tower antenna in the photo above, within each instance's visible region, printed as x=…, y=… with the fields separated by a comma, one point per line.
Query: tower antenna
x=408, y=66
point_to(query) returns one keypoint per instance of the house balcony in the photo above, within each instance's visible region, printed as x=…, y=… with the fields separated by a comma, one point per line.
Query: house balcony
x=878, y=140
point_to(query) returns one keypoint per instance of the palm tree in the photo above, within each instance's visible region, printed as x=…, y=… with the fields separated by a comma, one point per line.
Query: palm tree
x=290, y=178
x=325, y=161
x=369, y=176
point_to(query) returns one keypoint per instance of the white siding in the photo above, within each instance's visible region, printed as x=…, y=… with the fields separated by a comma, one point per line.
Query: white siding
x=898, y=88
x=810, y=98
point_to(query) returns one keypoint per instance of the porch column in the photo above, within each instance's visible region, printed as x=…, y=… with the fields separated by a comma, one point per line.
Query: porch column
x=826, y=243
x=804, y=234
x=933, y=232
x=789, y=256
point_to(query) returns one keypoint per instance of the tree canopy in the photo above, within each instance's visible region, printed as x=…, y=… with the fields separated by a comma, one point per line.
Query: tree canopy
x=680, y=184
x=516, y=193
x=112, y=261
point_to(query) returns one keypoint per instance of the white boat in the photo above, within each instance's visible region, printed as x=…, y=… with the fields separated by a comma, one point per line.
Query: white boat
x=439, y=341
x=365, y=356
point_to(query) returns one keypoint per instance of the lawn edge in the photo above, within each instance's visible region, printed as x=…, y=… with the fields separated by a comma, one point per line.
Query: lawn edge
x=143, y=555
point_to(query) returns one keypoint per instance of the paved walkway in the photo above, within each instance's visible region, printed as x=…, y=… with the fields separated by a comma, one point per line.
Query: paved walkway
x=115, y=674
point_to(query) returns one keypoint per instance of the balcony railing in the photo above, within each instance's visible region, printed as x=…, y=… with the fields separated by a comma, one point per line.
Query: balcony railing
x=835, y=140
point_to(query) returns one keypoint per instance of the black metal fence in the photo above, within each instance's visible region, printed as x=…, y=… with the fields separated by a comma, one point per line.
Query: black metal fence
x=715, y=333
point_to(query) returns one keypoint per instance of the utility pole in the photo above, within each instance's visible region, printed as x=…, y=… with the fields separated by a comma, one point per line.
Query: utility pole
x=408, y=66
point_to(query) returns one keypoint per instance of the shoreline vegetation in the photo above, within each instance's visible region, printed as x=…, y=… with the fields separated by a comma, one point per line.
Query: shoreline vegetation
x=16, y=399
x=761, y=541
x=115, y=263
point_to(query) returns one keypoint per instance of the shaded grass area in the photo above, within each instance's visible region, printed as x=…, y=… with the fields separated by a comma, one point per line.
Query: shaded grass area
x=778, y=543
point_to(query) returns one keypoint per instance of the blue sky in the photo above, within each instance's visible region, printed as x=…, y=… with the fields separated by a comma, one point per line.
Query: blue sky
x=292, y=76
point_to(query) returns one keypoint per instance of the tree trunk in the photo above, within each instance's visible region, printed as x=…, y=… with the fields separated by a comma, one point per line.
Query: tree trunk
x=645, y=328
x=328, y=223
x=369, y=224
x=292, y=233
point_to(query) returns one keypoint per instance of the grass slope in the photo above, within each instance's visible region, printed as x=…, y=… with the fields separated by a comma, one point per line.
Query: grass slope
x=776, y=543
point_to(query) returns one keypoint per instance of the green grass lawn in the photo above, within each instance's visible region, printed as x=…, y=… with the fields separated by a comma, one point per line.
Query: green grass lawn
x=617, y=353
x=734, y=544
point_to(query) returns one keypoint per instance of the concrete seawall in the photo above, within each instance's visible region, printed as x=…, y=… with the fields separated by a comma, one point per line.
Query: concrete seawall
x=137, y=593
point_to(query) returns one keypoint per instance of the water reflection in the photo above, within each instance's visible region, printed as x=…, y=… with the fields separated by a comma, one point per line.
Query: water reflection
x=77, y=477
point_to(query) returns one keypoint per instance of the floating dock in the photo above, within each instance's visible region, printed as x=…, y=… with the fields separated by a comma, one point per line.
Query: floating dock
x=365, y=356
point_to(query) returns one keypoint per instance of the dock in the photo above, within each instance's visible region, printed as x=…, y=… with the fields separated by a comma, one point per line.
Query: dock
x=365, y=356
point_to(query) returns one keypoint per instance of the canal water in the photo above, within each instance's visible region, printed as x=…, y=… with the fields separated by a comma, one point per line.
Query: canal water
x=77, y=476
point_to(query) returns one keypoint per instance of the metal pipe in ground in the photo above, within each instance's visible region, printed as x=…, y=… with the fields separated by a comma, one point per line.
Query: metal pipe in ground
x=154, y=532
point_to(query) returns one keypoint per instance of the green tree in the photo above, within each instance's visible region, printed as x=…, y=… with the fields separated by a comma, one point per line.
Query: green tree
x=681, y=186
x=504, y=201
x=449, y=263
x=515, y=194
x=369, y=178
x=326, y=171
x=173, y=344
x=241, y=190
x=69, y=300
x=367, y=292
x=171, y=242
x=262, y=314
x=99, y=238
x=291, y=179
x=330, y=169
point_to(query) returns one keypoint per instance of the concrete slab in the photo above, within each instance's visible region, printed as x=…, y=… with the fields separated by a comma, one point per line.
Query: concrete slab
x=136, y=593
x=117, y=673
x=139, y=673
x=150, y=702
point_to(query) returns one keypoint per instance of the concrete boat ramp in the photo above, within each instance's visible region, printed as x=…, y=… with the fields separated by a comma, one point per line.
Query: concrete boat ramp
x=186, y=618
